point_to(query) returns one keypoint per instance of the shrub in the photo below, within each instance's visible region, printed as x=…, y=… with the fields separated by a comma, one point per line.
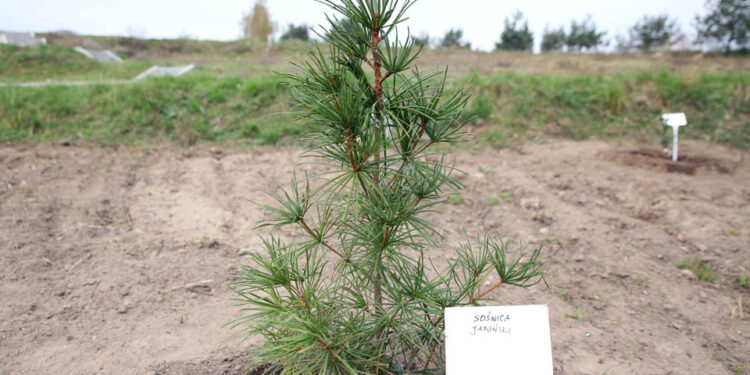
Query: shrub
x=299, y=32
x=584, y=35
x=653, y=32
x=422, y=41
x=727, y=25
x=453, y=38
x=516, y=35
x=553, y=40
x=358, y=294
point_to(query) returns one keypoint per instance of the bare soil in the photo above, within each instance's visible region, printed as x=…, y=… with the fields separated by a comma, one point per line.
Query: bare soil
x=115, y=261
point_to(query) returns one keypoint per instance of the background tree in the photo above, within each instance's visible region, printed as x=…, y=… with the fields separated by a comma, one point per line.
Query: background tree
x=653, y=32
x=553, y=40
x=357, y=295
x=257, y=24
x=726, y=26
x=423, y=40
x=584, y=35
x=300, y=32
x=516, y=35
x=453, y=38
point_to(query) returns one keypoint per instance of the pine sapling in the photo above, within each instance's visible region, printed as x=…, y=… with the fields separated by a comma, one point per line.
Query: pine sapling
x=358, y=295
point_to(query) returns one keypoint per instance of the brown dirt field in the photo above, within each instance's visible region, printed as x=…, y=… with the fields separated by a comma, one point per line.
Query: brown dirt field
x=115, y=261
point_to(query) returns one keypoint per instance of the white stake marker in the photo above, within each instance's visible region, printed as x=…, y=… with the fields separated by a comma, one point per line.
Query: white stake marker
x=675, y=120
x=497, y=340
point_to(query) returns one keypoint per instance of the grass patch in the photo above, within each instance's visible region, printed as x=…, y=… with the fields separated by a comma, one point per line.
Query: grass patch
x=187, y=110
x=576, y=315
x=203, y=107
x=564, y=294
x=505, y=196
x=480, y=109
x=701, y=269
x=623, y=105
x=456, y=199
x=733, y=233
x=742, y=281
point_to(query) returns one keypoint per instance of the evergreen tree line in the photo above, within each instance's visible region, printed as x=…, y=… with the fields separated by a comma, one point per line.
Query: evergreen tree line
x=726, y=26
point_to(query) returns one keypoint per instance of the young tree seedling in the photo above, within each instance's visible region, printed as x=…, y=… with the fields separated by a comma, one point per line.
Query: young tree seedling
x=359, y=295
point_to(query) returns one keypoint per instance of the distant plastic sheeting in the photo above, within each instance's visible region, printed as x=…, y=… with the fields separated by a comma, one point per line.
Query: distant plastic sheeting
x=105, y=56
x=163, y=71
x=27, y=39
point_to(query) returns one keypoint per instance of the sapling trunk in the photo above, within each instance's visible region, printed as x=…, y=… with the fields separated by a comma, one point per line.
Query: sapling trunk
x=379, y=308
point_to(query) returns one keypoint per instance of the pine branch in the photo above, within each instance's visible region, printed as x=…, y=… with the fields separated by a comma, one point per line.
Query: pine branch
x=319, y=239
x=378, y=310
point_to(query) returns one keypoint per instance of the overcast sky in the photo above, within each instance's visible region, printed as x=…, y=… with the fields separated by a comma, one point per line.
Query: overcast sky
x=481, y=20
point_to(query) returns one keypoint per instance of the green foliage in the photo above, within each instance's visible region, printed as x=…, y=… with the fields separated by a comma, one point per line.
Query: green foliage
x=185, y=110
x=592, y=106
x=495, y=137
x=653, y=32
x=575, y=315
x=554, y=39
x=742, y=281
x=300, y=32
x=565, y=106
x=507, y=197
x=584, y=35
x=701, y=269
x=481, y=109
x=516, y=35
x=613, y=96
x=453, y=38
x=14, y=60
x=357, y=295
x=726, y=26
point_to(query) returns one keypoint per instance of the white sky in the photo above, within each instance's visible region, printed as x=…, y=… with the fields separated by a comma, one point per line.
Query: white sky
x=481, y=20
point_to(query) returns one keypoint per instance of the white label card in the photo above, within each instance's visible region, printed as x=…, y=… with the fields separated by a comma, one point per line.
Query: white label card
x=498, y=340
x=674, y=119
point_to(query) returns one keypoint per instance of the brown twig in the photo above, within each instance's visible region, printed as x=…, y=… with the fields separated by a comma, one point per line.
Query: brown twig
x=385, y=237
x=486, y=292
x=356, y=168
x=319, y=239
x=300, y=294
x=421, y=133
x=425, y=147
x=325, y=345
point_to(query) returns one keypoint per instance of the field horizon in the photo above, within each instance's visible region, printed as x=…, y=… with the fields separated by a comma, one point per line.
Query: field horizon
x=125, y=207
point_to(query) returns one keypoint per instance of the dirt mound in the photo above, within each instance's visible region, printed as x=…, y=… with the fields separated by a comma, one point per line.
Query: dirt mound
x=658, y=161
x=236, y=364
x=116, y=261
